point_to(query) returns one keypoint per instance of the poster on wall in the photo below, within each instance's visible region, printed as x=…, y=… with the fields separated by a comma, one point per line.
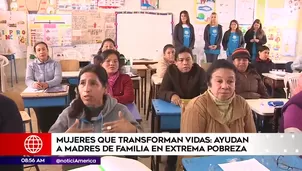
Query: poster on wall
x=79, y=5
x=225, y=10
x=289, y=42
x=149, y=4
x=275, y=17
x=13, y=33
x=55, y=30
x=245, y=11
x=110, y=3
x=274, y=40
x=203, y=9
x=92, y=27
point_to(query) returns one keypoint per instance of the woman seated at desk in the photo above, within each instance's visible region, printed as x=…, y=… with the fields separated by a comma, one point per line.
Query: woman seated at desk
x=249, y=84
x=92, y=105
x=110, y=44
x=182, y=80
x=219, y=109
x=291, y=121
x=168, y=59
x=185, y=80
x=120, y=85
x=41, y=74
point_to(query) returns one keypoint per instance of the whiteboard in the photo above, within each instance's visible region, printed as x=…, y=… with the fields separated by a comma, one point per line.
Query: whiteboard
x=143, y=34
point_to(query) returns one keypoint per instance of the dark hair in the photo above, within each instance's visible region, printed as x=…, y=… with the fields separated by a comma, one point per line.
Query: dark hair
x=38, y=43
x=183, y=50
x=100, y=58
x=104, y=41
x=234, y=21
x=260, y=33
x=220, y=63
x=167, y=47
x=187, y=15
x=263, y=48
x=78, y=106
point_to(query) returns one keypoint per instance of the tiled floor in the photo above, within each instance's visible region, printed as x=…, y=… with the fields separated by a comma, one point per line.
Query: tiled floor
x=146, y=124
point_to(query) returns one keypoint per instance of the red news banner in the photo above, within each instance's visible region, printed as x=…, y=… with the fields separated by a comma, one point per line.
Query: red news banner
x=25, y=144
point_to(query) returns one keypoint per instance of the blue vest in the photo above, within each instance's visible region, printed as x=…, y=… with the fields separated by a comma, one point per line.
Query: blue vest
x=233, y=43
x=213, y=37
x=187, y=34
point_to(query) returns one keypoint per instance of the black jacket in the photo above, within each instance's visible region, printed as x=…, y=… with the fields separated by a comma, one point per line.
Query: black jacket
x=171, y=83
x=206, y=37
x=226, y=37
x=263, y=66
x=249, y=45
x=178, y=36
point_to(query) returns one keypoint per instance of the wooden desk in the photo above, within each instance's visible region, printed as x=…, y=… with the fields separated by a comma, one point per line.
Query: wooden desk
x=72, y=77
x=142, y=72
x=165, y=117
x=276, y=81
x=152, y=68
x=43, y=99
x=261, y=107
x=144, y=62
x=263, y=113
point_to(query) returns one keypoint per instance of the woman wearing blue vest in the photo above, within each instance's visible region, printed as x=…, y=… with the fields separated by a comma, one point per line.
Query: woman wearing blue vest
x=184, y=32
x=212, y=38
x=232, y=39
x=254, y=38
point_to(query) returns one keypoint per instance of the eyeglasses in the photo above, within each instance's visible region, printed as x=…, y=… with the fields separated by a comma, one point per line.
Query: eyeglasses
x=282, y=165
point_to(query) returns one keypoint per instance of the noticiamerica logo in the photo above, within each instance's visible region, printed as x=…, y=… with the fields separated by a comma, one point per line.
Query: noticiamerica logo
x=33, y=144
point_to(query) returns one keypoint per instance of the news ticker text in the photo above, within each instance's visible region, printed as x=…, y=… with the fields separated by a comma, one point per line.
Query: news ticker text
x=49, y=160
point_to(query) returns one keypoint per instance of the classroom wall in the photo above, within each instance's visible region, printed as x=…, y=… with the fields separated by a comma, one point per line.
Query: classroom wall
x=175, y=6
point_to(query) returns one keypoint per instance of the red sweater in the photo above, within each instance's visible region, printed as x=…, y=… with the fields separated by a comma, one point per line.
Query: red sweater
x=123, y=89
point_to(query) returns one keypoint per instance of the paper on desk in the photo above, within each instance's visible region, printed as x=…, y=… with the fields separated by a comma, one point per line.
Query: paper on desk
x=247, y=165
x=32, y=90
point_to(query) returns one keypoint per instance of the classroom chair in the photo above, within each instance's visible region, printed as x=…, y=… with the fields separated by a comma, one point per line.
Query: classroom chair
x=12, y=60
x=136, y=92
x=3, y=62
x=70, y=65
x=276, y=119
x=16, y=97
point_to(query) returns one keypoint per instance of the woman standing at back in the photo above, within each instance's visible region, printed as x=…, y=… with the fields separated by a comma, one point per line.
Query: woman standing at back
x=212, y=38
x=184, y=32
x=232, y=39
x=254, y=38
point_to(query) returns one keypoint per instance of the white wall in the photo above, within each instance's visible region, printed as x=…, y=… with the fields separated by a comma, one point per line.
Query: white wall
x=3, y=5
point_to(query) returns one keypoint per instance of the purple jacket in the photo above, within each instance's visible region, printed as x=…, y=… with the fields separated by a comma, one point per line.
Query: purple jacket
x=292, y=113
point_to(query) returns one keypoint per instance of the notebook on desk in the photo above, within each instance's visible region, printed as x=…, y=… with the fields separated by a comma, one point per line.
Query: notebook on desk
x=56, y=89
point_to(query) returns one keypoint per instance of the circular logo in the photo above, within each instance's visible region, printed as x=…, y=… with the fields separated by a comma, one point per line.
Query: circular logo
x=214, y=31
x=234, y=37
x=186, y=32
x=33, y=144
